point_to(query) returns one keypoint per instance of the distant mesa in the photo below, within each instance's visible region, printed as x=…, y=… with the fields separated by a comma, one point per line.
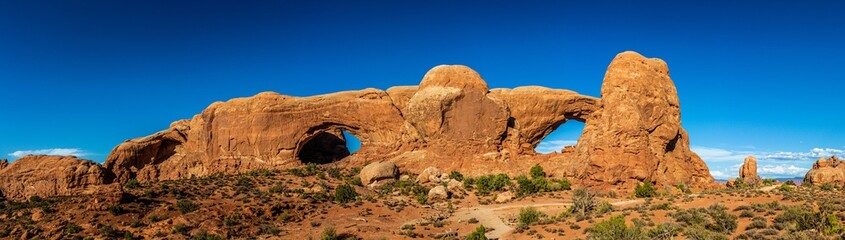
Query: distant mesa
x=451, y=121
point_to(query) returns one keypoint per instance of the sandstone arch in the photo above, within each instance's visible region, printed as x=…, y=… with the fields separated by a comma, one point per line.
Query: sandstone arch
x=452, y=121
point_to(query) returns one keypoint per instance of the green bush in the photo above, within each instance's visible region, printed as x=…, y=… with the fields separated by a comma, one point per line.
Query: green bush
x=645, y=190
x=116, y=210
x=71, y=229
x=186, y=206
x=699, y=233
x=492, y=183
x=786, y=188
x=203, y=235
x=827, y=187
x=456, y=175
x=833, y=225
x=132, y=184
x=664, y=231
x=529, y=215
x=715, y=218
x=329, y=234
x=615, y=228
x=478, y=234
x=537, y=171
x=345, y=194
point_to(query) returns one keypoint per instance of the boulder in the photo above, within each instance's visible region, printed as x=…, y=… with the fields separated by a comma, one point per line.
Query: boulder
x=377, y=172
x=731, y=183
x=47, y=176
x=430, y=174
x=438, y=193
x=748, y=171
x=825, y=171
x=454, y=186
x=504, y=197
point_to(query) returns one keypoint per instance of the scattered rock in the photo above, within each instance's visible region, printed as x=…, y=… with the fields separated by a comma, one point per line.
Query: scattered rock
x=454, y=186
x=404, y=177
x=438, y=193
x=825, y=171
x=430, y=174
x=731, y=183
x=504, y=197
x=748, y=171
x=377, y=172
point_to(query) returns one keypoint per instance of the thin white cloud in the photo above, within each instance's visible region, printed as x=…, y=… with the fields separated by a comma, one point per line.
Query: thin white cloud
x=50, y=151
x=720, y=174
x=782, y=169
x=718, y=154
x=553, y=145
x=812, y=154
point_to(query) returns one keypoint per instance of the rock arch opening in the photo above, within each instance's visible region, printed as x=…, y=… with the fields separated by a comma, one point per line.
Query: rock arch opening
x=324, y=147
x=352, y=142
x=566, y=134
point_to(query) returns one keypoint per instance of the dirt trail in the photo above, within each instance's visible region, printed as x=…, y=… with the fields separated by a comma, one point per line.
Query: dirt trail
x=492, y=216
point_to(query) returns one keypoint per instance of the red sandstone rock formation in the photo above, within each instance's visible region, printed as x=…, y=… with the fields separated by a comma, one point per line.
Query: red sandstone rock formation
x=748, y=171
x=636, y=135
x=44, y=176
x=451, y=121
x=831, y=170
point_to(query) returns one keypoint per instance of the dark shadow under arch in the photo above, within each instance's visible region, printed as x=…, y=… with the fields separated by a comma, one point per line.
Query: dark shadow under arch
x=323, y=148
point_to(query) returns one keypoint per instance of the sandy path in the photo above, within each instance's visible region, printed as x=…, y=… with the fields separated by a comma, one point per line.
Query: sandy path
x=491, y=216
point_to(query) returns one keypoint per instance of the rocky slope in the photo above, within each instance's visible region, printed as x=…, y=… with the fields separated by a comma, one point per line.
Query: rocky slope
x=451, y=120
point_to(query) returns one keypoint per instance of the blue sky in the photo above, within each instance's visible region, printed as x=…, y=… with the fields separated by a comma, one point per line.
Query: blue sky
x=79, y=77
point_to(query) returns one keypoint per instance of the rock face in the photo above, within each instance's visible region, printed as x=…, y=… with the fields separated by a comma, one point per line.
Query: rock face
x=748, y=171
x=3, y=163
x=46, y=176
x=825, y=171
x=450, y=121
x=636, y=134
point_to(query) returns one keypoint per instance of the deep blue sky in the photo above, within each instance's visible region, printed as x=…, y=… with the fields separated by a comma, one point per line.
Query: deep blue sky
x=754, y=78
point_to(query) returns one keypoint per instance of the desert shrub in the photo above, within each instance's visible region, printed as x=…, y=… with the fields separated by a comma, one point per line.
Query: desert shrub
x=203, y=235
x=537, y=171
x=615, y=228
x=260, y=172
x=329, y=234
x=526, y=186
x=186, y=206
x=132, y=184
x=35, y=199
x=746, y=214
x=769, y=181
x=758, y=223
x=71, y=229
x=310, y=169
x=116, y=210
x=715, y=218
x=233, y=219
x=529, y=215
x=334, y=172
x=699, y=233
x=603, y=207
x=664, y=231
x=790, y=182
x=800, y=218
x=827, y=187
x=478, y=234
x=492, y=183
x=456, y=175
x=181, y=229
x=583, y=202
x=645, y=190
x=345, y=194
x=786, y=188
x=833, y=225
